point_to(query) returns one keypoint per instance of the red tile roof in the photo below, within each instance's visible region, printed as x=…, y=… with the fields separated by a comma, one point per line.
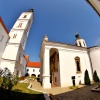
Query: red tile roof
x=1, y=21
x=33, y=64
x=26, y=57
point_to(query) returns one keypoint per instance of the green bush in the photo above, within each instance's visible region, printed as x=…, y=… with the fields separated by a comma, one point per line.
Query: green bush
x=95, y=77
x=7, y=80
x=86, y=78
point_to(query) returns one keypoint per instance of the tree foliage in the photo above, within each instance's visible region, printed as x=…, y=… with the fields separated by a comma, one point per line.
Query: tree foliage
x=86, y=78
x=95, y=77
x=7, y=80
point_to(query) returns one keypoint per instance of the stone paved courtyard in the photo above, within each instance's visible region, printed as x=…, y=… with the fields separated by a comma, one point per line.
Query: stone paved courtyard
x=83, y=93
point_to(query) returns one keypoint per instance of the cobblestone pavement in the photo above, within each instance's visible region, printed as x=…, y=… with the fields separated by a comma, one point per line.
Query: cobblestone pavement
x=82, y=93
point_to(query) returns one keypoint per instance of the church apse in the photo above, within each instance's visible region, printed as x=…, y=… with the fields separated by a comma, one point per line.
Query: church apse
x=54, y=66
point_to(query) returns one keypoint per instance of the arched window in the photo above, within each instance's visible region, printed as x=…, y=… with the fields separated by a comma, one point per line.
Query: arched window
x=78, y=67
x=80, y=44
x=83, y=43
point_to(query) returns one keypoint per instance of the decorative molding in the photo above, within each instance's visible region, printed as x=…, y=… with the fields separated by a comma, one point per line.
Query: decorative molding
x=58, y=45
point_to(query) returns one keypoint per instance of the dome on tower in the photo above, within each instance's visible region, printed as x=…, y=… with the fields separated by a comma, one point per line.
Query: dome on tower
x=77, y=36
x=79, y=41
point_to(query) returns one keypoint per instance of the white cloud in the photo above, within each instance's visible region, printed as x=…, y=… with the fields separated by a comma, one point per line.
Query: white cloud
x=97, y=41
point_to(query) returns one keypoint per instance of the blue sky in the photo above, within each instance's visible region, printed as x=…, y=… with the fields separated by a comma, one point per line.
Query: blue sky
x=59, y=19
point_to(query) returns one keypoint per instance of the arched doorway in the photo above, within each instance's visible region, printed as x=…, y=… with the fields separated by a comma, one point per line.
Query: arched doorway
x=54, y=67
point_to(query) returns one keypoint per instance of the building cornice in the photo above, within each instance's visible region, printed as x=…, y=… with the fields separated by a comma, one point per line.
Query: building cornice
x=57, y=44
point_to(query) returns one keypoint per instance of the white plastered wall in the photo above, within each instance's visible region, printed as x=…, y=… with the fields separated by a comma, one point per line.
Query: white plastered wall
x=95, y=59
x=4, y=35
x=8, y=64
x=30, y=71
x=68, y=66
x=10, y=52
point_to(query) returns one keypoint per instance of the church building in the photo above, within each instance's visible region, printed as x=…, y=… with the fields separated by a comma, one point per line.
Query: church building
x=61, y=63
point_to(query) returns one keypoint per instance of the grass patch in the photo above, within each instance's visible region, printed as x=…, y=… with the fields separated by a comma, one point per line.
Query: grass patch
x=23, y=88
x=73, y=87
x=21, y=92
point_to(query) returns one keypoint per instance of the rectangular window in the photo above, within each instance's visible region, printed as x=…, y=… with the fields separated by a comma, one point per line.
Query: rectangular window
x=33, y=70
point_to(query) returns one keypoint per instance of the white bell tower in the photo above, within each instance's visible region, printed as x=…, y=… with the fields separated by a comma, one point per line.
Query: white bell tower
x=14, y=51
x=79, y=41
